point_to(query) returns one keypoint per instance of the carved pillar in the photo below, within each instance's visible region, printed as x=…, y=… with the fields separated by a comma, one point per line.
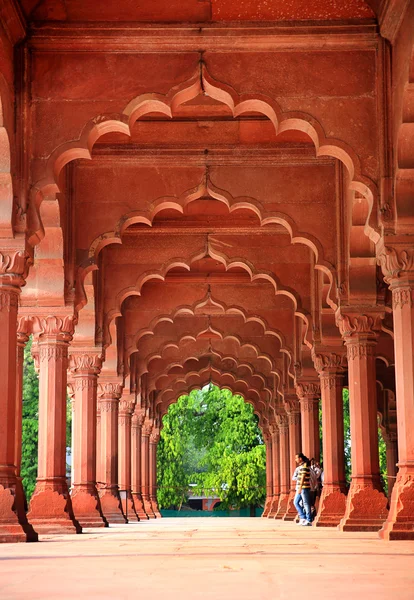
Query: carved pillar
x=85, y=367
x=71, y=394
x=50, y=506
x=274, y=432
x=136, y=442
x=269, y=473
x=366, y=506
x=98, y=445
x=391, y=443
x=154, y=439
x=109, y=394
x=145, y=474
x=329, y=366
x=14, y=526
x=22, y=339
x=126, y=408
x=398, y=267
x=309, y=394
x=283, y=426
x=295, y=444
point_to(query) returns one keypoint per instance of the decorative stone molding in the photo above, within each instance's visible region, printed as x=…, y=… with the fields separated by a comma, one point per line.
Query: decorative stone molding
x=283, y=424
x=147, y=428
x=55, y=352
x=138, y=417
x=9, y=299
x=154, y=437
x=360, y=350
x=126, y=407
x=109, y=390
x=330, y=381
x=294, y=418
x=108, y=405
x=401, y=297
x=23, y=334
x=84, y=383
x=291, y=404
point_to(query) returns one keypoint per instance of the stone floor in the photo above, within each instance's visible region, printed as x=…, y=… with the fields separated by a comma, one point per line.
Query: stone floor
x=217, y=558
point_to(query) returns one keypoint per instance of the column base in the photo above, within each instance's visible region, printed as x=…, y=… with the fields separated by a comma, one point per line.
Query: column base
x=366, y=508
x=400, y=522
x=291, y=512
x=128, y=509
x=332, y=506
x=281, y=509
x=155, y=509
x=51, y=510
x=139, y=506
x=111, y=506
x=148, y=508
x=268, y=506
x=273, y=507
x=14, y=526
x=87, y=508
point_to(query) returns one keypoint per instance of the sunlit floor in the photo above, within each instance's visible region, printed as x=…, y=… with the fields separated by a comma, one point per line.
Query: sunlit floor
x=220, y=558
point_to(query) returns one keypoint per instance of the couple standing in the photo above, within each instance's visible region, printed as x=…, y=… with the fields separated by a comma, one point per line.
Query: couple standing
x=303, y=497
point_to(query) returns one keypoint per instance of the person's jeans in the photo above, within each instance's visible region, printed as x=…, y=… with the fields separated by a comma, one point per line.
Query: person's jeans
x=303, y=505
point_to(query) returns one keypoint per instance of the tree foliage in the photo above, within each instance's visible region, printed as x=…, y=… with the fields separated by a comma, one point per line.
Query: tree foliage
x=211, y=438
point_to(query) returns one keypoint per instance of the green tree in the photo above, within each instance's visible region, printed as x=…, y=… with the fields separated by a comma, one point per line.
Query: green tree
x=214, y=440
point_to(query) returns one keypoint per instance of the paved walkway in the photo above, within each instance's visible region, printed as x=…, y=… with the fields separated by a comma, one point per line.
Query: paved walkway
x=209, y=558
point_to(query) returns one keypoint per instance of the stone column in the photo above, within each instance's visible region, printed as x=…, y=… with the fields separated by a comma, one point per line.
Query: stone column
x=99, y=479
x=85, y=367
x=14, y=526
x=153, y=443
x=309, y=394
x=274, y=432
x=109, y=394
x=390, y=439
x=145, y=473
x=269, y=473
x=283, y=426
x=136, y=442
x=50, y=508
x=397, y=263
x=295, y=444
x=126, y=408
x=329, y=366
x=366, y=507
x=22, y=339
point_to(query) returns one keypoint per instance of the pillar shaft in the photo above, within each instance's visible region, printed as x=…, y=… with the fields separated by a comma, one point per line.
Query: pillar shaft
x=126, y=407
x=154, y=439
x=333, y=498
x=109, y=395
x=136, y=443
x=14, y=526
x=283, y=427
x=295, y=444
x=269, y=474
x=397, y=265
x=309, y=394
x=392, y=460
x=85, y=368
x=145, y=468
x=366, y=506
x=50, y=506
x=276, y=470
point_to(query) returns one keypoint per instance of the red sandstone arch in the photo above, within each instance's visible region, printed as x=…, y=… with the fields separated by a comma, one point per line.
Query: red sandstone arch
x=200, y=83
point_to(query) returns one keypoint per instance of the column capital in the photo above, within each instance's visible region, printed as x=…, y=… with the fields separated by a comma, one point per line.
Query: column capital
x=147, y=427
x=329, y=360
x=14, y=267
x=85, y=361
x=108, y=390
x=291, y=404
x=282, y=424
x=308, y=391
x=359, y=322
x=58, y=328
x=154, y=436
x=396, y=258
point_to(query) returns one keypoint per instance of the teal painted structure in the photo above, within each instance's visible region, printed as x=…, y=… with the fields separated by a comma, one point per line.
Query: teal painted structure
x=243, y=512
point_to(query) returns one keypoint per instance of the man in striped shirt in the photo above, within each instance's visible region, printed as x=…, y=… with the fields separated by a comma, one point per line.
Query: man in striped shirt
x=302, y=500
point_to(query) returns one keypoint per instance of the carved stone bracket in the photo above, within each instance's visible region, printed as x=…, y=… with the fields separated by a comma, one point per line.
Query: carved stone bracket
x=81, y=361
x=154, y=436
x=308, y=391
x=283, y=424
x=126, y=407
x=363, y=322
x=328, y=361
x=147, y=428
x=397, y=262
x=14, y=267
x=54, y=328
